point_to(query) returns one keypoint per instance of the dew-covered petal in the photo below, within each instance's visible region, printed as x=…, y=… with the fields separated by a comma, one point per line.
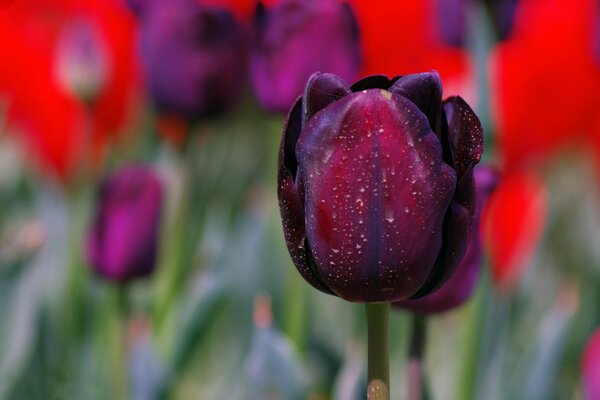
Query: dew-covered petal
x=461, y=284
x=376, y=191
x=456, y=231
x=425, y=90
x=465, y=134
x=290, y=199
x=321, y=90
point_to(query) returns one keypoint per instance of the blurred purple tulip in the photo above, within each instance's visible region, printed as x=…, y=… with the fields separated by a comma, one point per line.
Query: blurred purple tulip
x=376, y=187
x=122, y=241
x=453, y=18
x=297, y=38
x=194, y=56
x=461, y=285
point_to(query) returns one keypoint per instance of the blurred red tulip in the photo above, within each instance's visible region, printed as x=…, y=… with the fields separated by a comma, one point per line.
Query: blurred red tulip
x=57, y=126
x=513, y=223
x=590, y=368
x=546, y=78
x=4, y=4
x=403, y=36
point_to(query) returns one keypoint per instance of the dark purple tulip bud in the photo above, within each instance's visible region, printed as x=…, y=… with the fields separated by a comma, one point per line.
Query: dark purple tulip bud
x=295, y=39
x=453, y=18
x=194, y=57
x=460, y=286
x=122, y=242
x=376, y=188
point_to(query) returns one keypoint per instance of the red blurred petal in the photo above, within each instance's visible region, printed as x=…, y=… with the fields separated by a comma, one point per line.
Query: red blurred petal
x=54, y=124
x=546, y=78
x=513, y=224
x=401, y=36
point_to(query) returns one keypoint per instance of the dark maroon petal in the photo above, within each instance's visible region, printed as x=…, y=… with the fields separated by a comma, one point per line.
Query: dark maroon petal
x=376, y=192
x=425, y=90
x=460, y=286
x=322, y=90
x=374, y=82
x=291, y=133
x=292, y=217
x=290, y=199
x=457, y=228
x=464, y=133
x=261, y=15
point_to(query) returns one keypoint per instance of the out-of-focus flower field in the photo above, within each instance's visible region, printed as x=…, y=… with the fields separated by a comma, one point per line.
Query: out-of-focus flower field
x=142, y=254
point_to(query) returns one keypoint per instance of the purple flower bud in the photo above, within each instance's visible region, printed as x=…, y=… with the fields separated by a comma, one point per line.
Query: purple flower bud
x=376, y=188
x=194, y=57
x=460, y=286
x=453, y=18
x=297, y=38
x=122, y=242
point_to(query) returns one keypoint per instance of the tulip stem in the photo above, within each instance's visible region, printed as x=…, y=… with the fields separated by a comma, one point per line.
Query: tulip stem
x=121, y=357
x=378, y=351
x=416, y=351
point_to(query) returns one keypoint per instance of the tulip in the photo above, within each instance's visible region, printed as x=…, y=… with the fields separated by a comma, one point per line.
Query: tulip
x=296, y=38
x=61, y=133
x=82, y=60
x=535, y=118
x=590, y=368
x=453, y=17
x=194, y=57
x=412, y=43
x=514, y=223
x=122, y=241
x=460, y=286
x=376, y=187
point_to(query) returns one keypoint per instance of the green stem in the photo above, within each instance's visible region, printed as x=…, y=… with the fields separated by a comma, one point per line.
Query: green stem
x=296, y=308
x=120, y=370
x=415, y=358
x=378, y=351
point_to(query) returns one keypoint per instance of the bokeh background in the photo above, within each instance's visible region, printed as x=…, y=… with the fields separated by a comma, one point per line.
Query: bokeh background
x=195, y=93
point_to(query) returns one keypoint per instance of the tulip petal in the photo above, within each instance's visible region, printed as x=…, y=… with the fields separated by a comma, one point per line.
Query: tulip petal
x=322, y=90
x=374, y=82
x=376, y=191
x=460, y=286
x=122, y=243
x=290, y=203
x=425, y=90
x=457, y=228
x=464, y=133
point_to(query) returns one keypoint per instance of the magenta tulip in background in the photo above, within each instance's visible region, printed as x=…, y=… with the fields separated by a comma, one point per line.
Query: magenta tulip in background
x=122, y=241
x=297, y=38
x=590, y=368
x=376, y=185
